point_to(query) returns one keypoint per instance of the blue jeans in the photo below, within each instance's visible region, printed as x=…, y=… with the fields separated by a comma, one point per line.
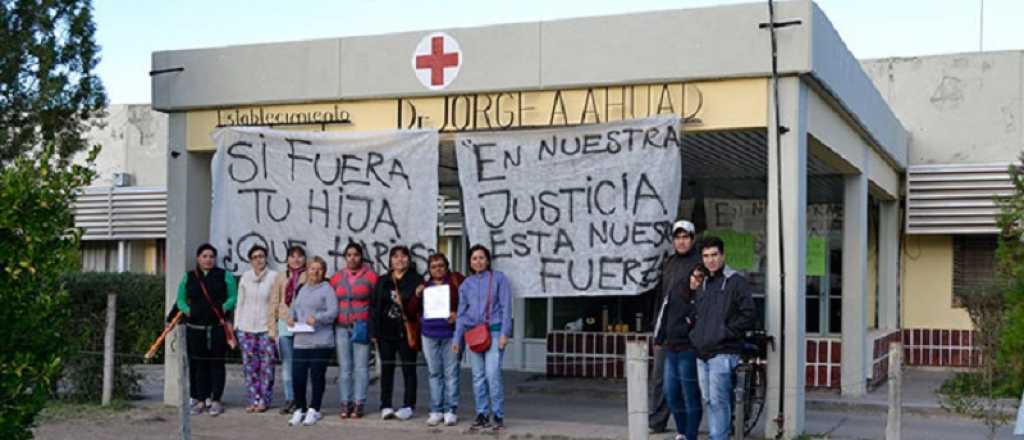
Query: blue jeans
x=682, y=391
x=716, y=378
x=286, y=347
x=443, y=367
x=352, y=355
x=487, y=389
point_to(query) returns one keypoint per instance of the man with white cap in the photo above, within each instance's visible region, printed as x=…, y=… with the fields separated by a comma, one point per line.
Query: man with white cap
x=678, y=360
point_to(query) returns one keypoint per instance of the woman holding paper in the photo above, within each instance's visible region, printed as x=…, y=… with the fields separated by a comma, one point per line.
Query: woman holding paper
x=440, y=299
x=286, y=286
x=256, y=329
x=484, y=323
x=311, y=321
x=353, y=286
x=394, y=327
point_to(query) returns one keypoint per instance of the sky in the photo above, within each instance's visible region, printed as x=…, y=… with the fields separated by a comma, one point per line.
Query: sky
x=130, y=31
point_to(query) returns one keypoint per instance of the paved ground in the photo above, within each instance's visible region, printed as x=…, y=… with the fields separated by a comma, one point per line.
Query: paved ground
x=537, y=408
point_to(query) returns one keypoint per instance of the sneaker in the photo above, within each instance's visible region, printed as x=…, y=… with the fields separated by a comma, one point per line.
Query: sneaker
x=296, y=418
x=405, y=413
x=216, y=409
x=288, y=408
x=197, y=408
x=387, y=413
x=680, y=437
x=450, y=419
x=312, y=416
x=434, y=419
x=480, y=423
x=499, y=423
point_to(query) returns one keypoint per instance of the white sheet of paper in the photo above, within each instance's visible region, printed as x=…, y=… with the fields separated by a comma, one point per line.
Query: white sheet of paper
x=436, y=302
x=300, y=327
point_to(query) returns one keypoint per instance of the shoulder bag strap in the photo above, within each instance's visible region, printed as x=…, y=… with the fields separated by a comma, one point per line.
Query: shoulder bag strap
x=209, y=300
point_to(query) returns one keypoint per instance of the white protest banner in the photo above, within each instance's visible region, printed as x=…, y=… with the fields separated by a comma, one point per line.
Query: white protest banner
x=322, y=190
x=574, y=211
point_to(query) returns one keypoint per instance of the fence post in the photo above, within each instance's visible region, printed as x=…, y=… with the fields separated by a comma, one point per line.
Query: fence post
x=108, y=350
x=184, y=409
x=636, y=388
x=894, y=424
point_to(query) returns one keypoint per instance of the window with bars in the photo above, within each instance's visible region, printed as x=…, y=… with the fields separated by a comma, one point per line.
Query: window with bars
x=973, y=264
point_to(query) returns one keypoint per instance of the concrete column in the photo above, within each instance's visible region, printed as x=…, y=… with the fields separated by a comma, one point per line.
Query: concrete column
x=188, y=226
x=855, y=264
x=121, y=256
x=785, y=303
x=889, y=264
x=519, y=332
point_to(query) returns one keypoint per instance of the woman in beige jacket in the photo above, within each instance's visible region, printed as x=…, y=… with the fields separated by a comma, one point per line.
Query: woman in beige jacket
x=286, y=286
x=256, y=329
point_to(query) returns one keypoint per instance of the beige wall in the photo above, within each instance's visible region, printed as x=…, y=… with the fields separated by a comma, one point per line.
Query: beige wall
x=717, y=105
x=927, y=287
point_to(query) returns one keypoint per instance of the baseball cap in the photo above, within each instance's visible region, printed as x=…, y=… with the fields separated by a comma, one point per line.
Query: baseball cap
x=685, y=225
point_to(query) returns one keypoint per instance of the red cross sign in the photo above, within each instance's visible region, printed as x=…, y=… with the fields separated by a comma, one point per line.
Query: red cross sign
x=436, y=60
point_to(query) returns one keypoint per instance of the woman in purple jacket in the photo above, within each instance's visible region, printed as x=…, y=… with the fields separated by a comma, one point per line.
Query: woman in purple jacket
x=438, y=333
x=484, y=288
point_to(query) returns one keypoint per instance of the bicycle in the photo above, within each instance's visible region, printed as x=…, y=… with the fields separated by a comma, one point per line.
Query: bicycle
x=751, y=386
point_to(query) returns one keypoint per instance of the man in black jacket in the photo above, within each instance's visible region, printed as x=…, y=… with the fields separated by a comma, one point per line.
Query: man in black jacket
x=725, y=312
x=675, y=368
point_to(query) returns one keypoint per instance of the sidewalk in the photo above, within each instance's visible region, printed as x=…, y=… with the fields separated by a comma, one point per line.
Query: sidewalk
x=567, y=409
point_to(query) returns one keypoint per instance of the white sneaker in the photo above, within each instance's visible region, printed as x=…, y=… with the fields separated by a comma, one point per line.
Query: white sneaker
x=450, y=419
x=387, y=413
x=434, y=419
x=404, y=413
x=312, y=416
x=296, y=418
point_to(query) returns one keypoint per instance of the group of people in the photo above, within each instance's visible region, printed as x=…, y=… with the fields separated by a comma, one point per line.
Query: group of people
x=303, y=318
x=703, y=311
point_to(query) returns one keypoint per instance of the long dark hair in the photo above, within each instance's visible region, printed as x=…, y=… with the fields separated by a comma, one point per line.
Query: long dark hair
x=473, y=250
x=405, y=250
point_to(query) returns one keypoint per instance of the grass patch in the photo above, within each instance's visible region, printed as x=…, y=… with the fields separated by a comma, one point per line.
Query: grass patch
x=58, y=410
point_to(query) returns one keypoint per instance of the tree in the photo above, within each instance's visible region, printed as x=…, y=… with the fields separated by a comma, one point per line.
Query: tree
x=1010, y=267
x=49, y=96
x=49, y=91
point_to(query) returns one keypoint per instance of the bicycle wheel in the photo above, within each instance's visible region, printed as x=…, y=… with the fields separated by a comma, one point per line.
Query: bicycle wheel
x=757, y=388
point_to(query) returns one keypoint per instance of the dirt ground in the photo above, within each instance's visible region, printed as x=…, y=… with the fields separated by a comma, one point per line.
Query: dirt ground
x=154, y=422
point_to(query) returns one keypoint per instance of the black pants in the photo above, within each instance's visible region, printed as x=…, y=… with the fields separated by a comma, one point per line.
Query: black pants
x=407, y=360
x=658, y=418
x=206, y=350
x=310, y=364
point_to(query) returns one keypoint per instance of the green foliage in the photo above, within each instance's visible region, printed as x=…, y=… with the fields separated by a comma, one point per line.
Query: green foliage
x=976, y=395
x=140, y=314
x=36, y=245
x=49, y=94
x=997, y=314
x=1010, y=267
x=49, y=91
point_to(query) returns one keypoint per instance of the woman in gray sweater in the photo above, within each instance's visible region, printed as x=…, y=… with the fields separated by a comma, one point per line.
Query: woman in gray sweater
x=316, y=307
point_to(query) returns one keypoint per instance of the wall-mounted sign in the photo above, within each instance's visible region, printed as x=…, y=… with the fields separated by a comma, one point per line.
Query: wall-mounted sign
x=550, y=108
x=436, y=60
x=263, y=116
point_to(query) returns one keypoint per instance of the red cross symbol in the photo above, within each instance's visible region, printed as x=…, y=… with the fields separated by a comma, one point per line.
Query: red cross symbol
x=437, y=61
